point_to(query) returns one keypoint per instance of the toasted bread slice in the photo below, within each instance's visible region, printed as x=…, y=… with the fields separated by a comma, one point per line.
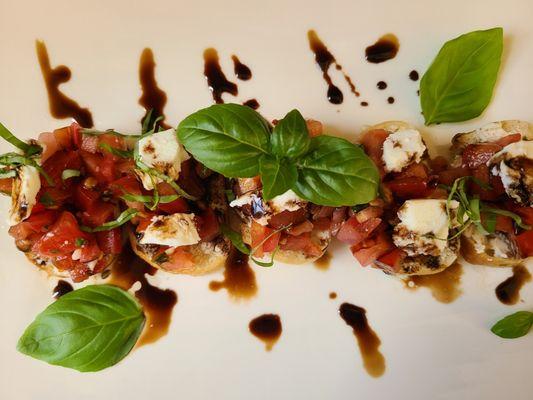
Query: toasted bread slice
x=208, y=256
x=494, y=250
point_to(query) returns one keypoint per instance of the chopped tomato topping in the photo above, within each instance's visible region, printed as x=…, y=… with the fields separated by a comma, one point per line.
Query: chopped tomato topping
x=368, y=213
x=392, y=260
x=36, y=223
x=303, y=243
x=110, y=242
x=371, y=249
x=302, y=227
x=179, y=205
x=526, y=213
x=353, y=232
x=286, y=218
x=415, y=170
x=408, y=188
x=258, y=234
x=98, y=214
x=449, y=176
x=475, y=155
x=179, y=260
x=525, y=243
x=506, y=140
x=438, y=164
x=100, y=167
x=126, y=184
x=314, y=128
x=245, y=185
x=481, y=173
x=89, y=143
x=60, y=161
x=189, y=180
x=372, y=142
x=85, y=199
x=208, y=227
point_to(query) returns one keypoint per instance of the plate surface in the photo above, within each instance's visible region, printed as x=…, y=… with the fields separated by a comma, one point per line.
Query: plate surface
x=432, y=350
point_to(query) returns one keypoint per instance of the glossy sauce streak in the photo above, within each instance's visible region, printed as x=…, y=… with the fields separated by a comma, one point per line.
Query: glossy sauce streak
x=267, y=328
x=61, y=106
x=152, y=97
x=157, y=303
x=413, y=75
x=384, y=49
x=381, y=85
x=216, y=80
x=332, y=295
x=508, y=292
x=252, y=103
x=242, y=71
x=325, y=59
x=239, y=277
x=368, y=341
x=62, y=287
x=324, y=261
x=364, y=104
x=444, y=286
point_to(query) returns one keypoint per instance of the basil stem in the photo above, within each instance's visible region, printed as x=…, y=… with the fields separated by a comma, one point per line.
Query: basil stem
x=124, y=217
x=149, y=199
x=28, y=149
x=114, y=151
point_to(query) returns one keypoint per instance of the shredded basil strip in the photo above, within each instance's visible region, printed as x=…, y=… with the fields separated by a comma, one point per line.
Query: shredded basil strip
x=116, y=152
x=69, y=173
x=28, y=149
x=235, y=238
x=14, y=159
x=124, y=217
x=149, y=199
x=7, y=173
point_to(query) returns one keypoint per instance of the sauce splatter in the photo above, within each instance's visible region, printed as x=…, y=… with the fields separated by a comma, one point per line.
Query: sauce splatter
x=266, y=327
x=239, y=277
x=325, y=59
x=444, y=286
x=216, y=80
x=381, y=85
x=413, y=75
x=332, y=295
x=242, y=71
x=62, y=288
x=152, y=97
x=323, y=262
x=508, y=292
x=367, y=339
x=157, y=303
x=364, y=103
x=61, y=106
x=390, y=100
x=383, y=50
x=252, y=103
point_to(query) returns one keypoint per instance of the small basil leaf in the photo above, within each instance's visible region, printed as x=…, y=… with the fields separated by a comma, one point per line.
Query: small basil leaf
x=458, y=84
x=336, y=173
x=514, y=325
x=124, y=217
x=235, y=238
x=276, y=178
x=88, y=329
x=227, y=138
x=116, y=152
x=290, y=137
x=28, y=149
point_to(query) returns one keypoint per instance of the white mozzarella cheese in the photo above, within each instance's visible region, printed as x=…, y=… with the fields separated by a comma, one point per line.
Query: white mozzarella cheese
x=401, y=149
x=288, y=201
x=171, y=230
x=163, y=152
x=24, y=193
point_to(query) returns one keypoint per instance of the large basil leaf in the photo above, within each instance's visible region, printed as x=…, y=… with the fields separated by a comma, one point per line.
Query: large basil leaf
x=514, y=325
x=88, y=329
x=290, y=137
x=458, y=84
x=277, y=176
x=227, y=138
x=336, y=173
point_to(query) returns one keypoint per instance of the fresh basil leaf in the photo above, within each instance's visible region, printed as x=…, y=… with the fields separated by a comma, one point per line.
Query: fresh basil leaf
x=14, y=159
x=47, y=200
x=514, y=325
x=7, y=173
x=290, y=137
x=277, y=176
x=116, y=152
x=235, y=238
x=459, y=83
x=124, y=217
x=88, y=329
x=497, y=211
x=80, y=242
x=336, y=173
x=226, y=138
x=69, y=173
x=149, y=199
x=28, y=149
x=489, y=222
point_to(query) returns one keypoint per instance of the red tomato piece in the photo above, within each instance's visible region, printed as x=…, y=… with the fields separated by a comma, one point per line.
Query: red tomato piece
x=391, y=260
x=100, y=167
x=526, y=213
x=98, y=214
x=303, y=243
x=302, y=227
x=286, y=218
x=75, y=131
x=36, y=223
x=179, y=260
x=415, y=170
x=189, y=180
x=372, y=142
x=208, y=227
x=449, y=176
x=353, y=232
x=373, y=249
x=63, y=137
x=89, y=143
x=58, y=162
x=258, y=234
x=525, y=243
x=110, y=242
x=85, y=198
x=506, y=140
x=408, y=188
x=6, y=185
x=475, y=155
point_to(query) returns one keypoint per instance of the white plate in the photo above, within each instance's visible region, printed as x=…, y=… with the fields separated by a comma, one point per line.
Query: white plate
x=433, y=350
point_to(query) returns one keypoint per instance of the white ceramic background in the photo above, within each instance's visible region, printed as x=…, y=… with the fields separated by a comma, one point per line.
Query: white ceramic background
x=432, y=350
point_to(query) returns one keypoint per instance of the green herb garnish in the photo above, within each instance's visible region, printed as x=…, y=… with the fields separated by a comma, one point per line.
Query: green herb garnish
x=28, y=149
x=69, y=173
x=124, y=217
x=16, y=160
x=80, y=242
x=47, y=200
x=514, y=325
x=116, y=152
x=7, y=173
x=459, y=83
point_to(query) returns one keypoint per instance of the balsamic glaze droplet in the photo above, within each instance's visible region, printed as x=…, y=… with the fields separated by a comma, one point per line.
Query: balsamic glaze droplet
x=239, y=277
x=382, y=85
x=216, y=80
x=332, y=295
x=61, y=106
x=242, y=71
x=508, y=292
x=367, y=339
x=384, y=49
x=364, y=104
x=413, y=75
x=267, y=328
x=252, y=103
x=62, y=288
x=152, y=97
x=390, y=100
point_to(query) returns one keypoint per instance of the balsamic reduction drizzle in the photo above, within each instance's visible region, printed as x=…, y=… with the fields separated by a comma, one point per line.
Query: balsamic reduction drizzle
x=508, y=292
x=252, y=103
x=61, y=106
x=239, y=277
x=62, y=288
x=242, y=71
x=216, y=80
x=152, y=97
x=267, y=328
x=384, y=49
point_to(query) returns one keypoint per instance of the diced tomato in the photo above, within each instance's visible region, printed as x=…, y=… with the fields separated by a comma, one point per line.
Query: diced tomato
x=114, y=141
x=53, y=197
x=415, y=170
x=36, y=223
x=368, y=213
x=475, y=155
x=436, y=193
x=286, y=218
x=75, y=131
x=179, y=260
x=125, y=166
x=302, y=227
x=89, y=143
x=61, y=239
x=189, y=180
x=79, y=272
x=391, y=261
x=408, y=188
x=102, y=168
x=89, y=250
x=84, y=198
x=64, y=262
x=6, y=185
x=272, y=242
x=506, y=140
x=526, y=213
x=179, y=205
x=50, y=145
x=126, y=184
x=323, y=224
x=58, y=162
x=372, y=249
x=208, y=227
x=321, y=211
x=525, y=243
x=438, y=164
x=481, y=173
x=337, y=219
x=354, y=232
x=372, y=142
x=503, y=223
x=303, y=243
x=144, y=222
x=98, y=214
x=64, y=138
x=110, y=242
x=258, y=234
x=245, y=185
x=449, y=176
